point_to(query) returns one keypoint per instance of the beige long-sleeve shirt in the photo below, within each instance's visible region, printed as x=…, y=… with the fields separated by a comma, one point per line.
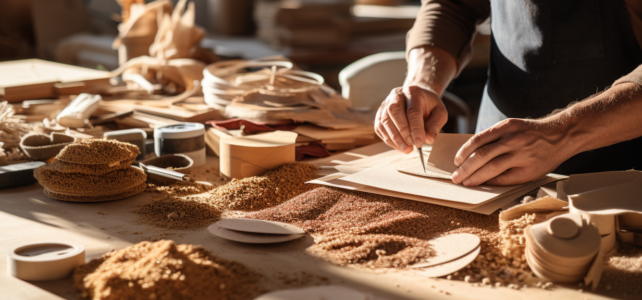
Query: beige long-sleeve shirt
x=450, y=25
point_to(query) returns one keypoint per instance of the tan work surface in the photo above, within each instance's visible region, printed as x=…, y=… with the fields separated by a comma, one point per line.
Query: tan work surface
x=27, y=215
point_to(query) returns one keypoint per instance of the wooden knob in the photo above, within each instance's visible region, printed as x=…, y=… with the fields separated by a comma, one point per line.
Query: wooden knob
x=563, y=228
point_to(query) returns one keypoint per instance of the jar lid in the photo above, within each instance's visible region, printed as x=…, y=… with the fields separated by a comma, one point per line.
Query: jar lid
x=44, y=260
x=179, y=131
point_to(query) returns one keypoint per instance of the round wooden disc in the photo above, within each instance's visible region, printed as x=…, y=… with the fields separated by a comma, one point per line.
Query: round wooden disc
x=451, y=266
x=450, y=247
x=259, y=226
x=581, y=248
x=563, y=228
x=251, y=238
x=334, y=292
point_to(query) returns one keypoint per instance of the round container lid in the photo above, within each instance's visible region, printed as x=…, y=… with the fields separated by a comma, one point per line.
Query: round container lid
x=44, y=261
x=179, y=131
x=567, y=236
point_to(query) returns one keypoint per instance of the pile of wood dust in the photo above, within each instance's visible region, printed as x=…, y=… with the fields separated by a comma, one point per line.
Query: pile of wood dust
x=273, y=188
x=190, y=205
x=178, y=188
x=368, y=230
x=164, y=270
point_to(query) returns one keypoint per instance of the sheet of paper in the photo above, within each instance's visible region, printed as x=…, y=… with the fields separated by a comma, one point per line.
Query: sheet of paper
x=387, y=177
x=441, y=160
x=336, y=168
x=335, y=180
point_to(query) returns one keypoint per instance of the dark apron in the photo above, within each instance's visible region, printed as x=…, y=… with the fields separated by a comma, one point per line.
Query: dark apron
x=548, y=54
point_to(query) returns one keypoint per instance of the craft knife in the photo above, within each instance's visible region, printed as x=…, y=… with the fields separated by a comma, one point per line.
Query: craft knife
x=421, y=158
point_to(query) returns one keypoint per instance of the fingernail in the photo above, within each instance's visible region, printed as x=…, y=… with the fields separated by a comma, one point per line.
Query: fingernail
x=455, y=177
x=403, y=147
x=418, y=141
x=409, y=140
x=467, y=182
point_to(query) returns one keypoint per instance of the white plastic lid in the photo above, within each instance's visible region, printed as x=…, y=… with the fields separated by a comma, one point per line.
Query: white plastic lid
x=179, y=131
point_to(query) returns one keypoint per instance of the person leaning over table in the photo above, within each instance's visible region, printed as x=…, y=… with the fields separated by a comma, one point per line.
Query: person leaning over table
x=546, y=56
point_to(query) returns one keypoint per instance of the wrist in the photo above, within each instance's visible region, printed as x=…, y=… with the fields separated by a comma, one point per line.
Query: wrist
x=431, y=68
x=566, y=132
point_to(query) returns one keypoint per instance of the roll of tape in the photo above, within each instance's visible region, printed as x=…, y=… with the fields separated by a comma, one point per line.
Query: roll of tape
x=254, y=155
x=44, y=261
x=184, y=138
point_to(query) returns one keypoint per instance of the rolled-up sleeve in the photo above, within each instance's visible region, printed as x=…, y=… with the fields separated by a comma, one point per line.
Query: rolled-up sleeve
x=633, y=77
x=449, y=25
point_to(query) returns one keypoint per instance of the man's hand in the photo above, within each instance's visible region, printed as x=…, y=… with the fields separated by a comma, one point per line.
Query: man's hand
x=511, y=152
x=410, y=116
x=413, y=114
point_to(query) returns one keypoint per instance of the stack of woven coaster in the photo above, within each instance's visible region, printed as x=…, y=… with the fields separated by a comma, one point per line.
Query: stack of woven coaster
x=93, y=170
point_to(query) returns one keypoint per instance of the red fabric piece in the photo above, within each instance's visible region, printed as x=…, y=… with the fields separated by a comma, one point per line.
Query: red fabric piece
x=252, y=127
x=313, y=149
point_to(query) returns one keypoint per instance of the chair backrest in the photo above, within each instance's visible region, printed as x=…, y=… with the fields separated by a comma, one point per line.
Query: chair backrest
x=368, y=81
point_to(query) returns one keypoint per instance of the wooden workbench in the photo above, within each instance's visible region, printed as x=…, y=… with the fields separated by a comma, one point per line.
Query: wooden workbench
x=28, y=215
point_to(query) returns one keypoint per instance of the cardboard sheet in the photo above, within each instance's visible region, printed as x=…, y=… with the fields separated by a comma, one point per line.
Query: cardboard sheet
x=387, y=177
x=441, y=161
x=336, y=180
x=336, y=168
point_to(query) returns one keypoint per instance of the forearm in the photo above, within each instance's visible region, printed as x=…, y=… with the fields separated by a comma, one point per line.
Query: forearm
x=606, y=119
x=430, y=67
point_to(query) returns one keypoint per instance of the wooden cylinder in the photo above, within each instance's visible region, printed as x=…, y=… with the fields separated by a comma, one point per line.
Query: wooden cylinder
x=255, y=155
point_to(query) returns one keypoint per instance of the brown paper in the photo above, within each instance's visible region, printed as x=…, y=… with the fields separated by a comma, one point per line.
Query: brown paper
x=441, y=161
x=445, y=149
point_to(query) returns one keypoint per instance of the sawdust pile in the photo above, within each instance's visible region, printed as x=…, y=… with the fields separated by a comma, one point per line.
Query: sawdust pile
x=373, y=231
x=273, y=188
x=164, y=270
x=189, y=205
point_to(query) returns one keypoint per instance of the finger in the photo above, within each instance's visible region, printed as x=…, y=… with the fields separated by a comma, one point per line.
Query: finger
x=377, y=123
x=437, y=119
x=397, y=112
x=414, y=114
x=477, y=141
x=381, y=132
x=393, y=133
x=510, y=177
x=491, y=170
x=478, y=159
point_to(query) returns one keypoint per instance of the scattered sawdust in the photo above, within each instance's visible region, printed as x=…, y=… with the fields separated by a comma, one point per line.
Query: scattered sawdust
x=374, y=231
x=178, y=188
x=188, y=205
x=623, y=271
x=163, y=270
x=368, y=230
x=273, y=188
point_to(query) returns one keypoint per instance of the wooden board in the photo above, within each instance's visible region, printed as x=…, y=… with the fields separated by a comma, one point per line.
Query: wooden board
x=35, y=78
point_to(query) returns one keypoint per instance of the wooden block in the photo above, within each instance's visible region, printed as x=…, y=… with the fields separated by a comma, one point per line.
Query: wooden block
x=34, y=78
